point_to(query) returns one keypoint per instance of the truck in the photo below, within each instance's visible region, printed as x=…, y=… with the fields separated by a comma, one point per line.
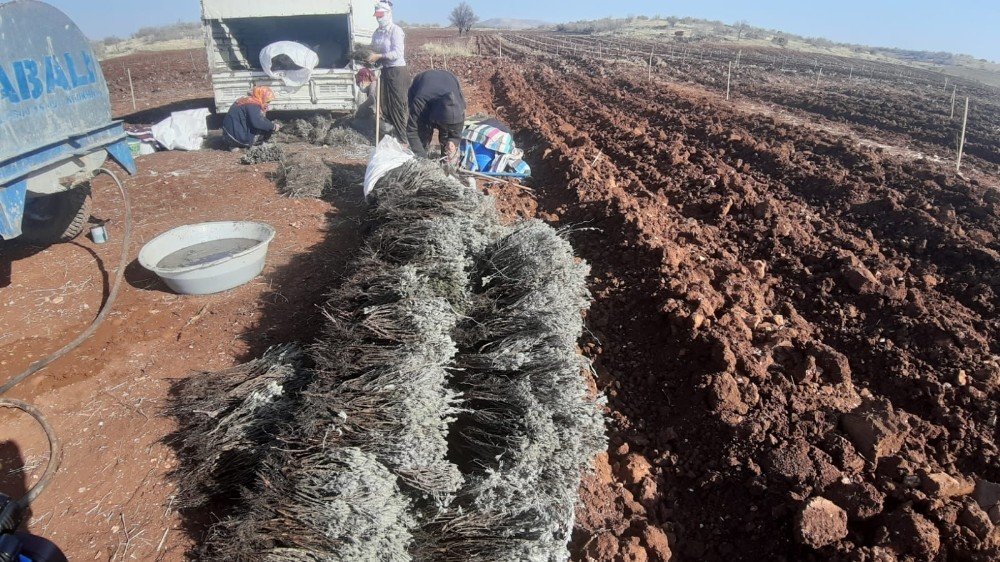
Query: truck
x=237, y=30
x=55, y=124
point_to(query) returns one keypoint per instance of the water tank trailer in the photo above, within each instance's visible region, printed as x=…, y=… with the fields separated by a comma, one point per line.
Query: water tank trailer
x=55, y=124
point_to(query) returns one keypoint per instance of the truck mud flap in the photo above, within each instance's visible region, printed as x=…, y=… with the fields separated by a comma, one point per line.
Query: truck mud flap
x=121, y=154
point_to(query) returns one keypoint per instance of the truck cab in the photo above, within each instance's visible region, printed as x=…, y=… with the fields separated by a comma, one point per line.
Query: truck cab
x=236, y=31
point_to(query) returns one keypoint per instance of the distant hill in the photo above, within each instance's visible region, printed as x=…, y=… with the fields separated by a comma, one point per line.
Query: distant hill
x=511, y=23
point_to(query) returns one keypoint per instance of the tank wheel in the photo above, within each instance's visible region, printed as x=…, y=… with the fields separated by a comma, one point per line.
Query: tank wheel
x=58, y=217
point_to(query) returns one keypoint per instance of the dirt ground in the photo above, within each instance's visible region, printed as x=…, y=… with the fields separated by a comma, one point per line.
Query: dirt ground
x=794, y=302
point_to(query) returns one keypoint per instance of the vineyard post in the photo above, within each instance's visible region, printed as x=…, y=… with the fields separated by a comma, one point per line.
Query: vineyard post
x=852, y=73
x=500, y=37
x=818, y=76
x=739, y=55
x=130, y=87
x=729, y=79
x=961, y=143
x=954, y=92
x=651, y=51
x=945, y=82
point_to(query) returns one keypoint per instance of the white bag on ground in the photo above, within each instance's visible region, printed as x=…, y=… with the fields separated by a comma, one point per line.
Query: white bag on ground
x=183, y=130
x=389, y=155
x=298, y=53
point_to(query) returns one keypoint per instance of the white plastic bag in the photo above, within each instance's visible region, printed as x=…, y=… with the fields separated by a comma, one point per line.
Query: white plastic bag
x=183, y=130
x=389, y=155
x=299, y=54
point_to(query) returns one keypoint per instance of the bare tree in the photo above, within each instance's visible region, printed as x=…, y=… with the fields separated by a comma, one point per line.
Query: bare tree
x=463, y=18
x=741, y=27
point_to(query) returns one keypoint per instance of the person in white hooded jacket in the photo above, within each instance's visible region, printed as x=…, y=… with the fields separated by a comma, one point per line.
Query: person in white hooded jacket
x=389, y=52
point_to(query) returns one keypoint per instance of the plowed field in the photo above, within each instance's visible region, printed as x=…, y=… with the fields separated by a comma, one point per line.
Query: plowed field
x=783, y=313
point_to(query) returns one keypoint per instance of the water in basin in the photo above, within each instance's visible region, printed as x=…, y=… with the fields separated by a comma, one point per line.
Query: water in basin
x=206, y=252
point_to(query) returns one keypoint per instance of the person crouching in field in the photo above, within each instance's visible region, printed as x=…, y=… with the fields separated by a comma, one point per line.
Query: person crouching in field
x=436, y=104
x=246, y=123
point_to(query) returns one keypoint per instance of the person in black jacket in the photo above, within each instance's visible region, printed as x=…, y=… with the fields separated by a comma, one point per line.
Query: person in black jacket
x=246, y=124
x=436, y=103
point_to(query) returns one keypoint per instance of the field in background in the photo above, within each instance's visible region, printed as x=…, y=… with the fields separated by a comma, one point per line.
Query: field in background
x=680, y=30
x=164, y=38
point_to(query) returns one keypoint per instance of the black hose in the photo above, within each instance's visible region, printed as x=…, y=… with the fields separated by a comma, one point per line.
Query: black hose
x=55, y=451
x=105, y=310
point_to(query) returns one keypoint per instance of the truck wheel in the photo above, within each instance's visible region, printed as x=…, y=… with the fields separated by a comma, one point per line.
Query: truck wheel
x=58, y=217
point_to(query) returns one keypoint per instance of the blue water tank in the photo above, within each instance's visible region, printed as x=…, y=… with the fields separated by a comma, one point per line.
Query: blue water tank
x=54, y=104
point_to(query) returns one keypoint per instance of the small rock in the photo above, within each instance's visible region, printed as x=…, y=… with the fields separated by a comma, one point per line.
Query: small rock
x=648, y=492
x=860, y=500
x=976, y=520
x=912, y=533
x=632, y=551
x=635, y=468
x=759, y=268
x=860, y=279
x=762, y=210
x=724, y=395
x=874, y=429
x=603, y=547
x=962, y=378
x=657, y=544
x=631, y=507
x=820, y=523
x=940, y=485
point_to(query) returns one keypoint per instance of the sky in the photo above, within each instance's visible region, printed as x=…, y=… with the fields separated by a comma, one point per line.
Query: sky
x=961, y=26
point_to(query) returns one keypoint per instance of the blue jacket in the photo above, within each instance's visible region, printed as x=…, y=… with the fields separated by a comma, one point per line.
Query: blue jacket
x=244, y=122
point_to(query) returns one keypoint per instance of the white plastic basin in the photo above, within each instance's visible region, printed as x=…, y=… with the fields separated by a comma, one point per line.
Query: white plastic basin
x=207, y=258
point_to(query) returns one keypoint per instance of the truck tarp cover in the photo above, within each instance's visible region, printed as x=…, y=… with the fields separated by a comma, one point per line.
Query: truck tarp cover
x=228, y=9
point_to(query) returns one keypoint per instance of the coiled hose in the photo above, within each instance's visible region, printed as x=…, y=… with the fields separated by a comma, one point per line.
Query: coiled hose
x=105, y=310
x=55, y=449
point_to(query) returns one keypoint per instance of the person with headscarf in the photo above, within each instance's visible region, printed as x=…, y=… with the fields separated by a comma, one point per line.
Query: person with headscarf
x=389, y=53
x=436, y=104
x=246, y=124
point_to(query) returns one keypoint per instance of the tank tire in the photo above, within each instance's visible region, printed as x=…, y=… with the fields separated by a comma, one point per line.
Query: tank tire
x=58, y=217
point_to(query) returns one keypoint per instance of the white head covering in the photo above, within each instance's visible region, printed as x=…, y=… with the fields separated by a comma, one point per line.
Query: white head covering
x=386, y=20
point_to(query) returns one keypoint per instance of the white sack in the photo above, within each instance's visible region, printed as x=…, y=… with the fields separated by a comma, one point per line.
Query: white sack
x=183, y=130
x=389, y=155
x=300, y=54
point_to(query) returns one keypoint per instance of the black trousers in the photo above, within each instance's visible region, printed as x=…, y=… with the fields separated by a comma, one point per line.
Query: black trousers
x=420, y=139
x=258, y=138
x=394, y=86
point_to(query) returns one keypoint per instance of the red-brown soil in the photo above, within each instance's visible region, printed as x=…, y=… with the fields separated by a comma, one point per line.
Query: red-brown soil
x=791, y=304
x=782, y=314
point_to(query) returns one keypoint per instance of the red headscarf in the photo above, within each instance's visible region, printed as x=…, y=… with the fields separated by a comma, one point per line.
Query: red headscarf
x=261, y=96
x=364, y=75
